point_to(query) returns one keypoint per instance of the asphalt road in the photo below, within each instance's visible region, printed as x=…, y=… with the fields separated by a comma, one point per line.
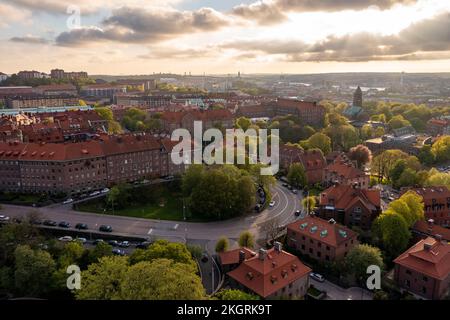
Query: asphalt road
x=335, y=292
x=286, y=203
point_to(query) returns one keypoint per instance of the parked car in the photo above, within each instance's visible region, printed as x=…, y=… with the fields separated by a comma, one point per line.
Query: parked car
x=81, y=226
x=4, y=218
x=317, y=277
x=297, y=213
x=97, y=241
x=272, y=204
x=66, y=239
x=106, y=190
x=50, y=223
x=285, y=185
x=68, y=201
x=124, y=244
x=95, y=193
x=118, y=252
x=36, y=221
x=64, y=224
x=204, y=258
x=294, y=191
x=105, y=228
x=258, y=207
x=82, y=240
x=113, y=243
x=143, y=245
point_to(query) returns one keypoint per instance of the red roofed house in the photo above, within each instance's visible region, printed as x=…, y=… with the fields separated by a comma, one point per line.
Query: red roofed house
x=312, y=160
x=343, y=171
x=438, y=127
x=230, y=260
x=350, y=205
x=320, y=239
x=272, y=273
x=437, y=204
x=423, y=229
x=424, y=269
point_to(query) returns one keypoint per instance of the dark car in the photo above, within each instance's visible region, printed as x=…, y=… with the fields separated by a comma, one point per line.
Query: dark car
x=64, y=224
x=113, y=243
x=285, y=185
x=118, y=252
x=97, y=241
x=36, y=221
x=81, y=226
x=297, y=213
x=143, y=245
x=105, y=228
x=50, y=223
x=204, y=258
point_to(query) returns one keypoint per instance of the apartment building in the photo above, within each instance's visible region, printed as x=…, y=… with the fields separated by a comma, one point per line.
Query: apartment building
x=322, y=240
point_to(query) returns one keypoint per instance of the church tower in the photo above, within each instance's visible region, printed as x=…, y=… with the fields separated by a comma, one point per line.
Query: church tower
x=358, y=97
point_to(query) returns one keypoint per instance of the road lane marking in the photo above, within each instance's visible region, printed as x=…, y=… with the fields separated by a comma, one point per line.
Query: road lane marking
x=150, y=231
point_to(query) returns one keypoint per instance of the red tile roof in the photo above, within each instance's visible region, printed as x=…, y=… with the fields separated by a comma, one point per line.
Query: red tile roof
x=344, y=196
x=434, y=262
x=426, y=228
x=265, y=277
x=232, y=256
x=201, y=115
x=345, y=169
x=332, y=234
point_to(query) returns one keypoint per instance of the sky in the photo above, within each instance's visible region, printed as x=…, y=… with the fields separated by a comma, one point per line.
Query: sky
x=129, y=37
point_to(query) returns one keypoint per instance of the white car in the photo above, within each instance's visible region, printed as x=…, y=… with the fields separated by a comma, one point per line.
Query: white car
x=66, y=239
x=317, y=277
x=95, y=193
x=106, y=190
x=124, y=244
x=272, y=204
x=68, y=201
x=4, y=218
x=82, y=240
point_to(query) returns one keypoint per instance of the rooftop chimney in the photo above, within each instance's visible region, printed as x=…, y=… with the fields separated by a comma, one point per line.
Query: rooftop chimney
x=262, y=254
x=332, y=221
x=427, y=246
x=241, y=256
x=278, y=246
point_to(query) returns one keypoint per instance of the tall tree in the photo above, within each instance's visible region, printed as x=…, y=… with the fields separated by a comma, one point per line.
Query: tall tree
x=360, y=257
x=34, y=270
x=297, y=175
x=222, y=244
x=246, y=239
x=361, y=154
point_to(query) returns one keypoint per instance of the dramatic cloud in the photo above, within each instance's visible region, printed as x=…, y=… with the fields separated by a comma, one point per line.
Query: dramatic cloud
x=29, y=39
x=86, y=6
x=135, y=25
x=428, y=39
x=274, y=11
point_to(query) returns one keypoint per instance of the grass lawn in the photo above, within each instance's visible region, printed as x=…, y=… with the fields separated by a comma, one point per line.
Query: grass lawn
x=168, y=207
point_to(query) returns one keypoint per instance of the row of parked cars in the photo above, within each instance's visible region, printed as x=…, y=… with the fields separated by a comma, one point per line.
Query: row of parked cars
x=66, y=225
x=84, y=196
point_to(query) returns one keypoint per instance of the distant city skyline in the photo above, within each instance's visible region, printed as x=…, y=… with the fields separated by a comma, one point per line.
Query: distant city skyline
x=224, y=37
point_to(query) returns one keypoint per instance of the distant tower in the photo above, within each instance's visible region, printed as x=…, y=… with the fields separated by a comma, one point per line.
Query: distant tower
x=402, y=79
x=239, y=74
x=358, y=97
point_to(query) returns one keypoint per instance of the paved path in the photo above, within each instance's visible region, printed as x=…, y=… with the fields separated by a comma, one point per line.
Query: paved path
x=334, y=292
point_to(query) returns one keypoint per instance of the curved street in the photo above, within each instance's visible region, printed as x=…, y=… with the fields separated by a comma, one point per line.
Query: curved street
x=286, y=203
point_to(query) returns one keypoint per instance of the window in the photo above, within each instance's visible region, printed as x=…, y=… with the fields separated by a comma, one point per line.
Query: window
x=408, y=272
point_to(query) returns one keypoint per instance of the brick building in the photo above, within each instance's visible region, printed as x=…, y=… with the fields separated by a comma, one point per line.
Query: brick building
x=344, y=171
x=271, y=273
x=312, y=160
x=81, y=167
x=350, y=205
x=309, y=112
x=437, y=204
x=185, y=119
x=424, y=269
x=438, y=127
x=320, y=239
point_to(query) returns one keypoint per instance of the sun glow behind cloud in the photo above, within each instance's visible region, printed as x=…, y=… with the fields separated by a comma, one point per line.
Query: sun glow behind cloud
x=207, y=49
